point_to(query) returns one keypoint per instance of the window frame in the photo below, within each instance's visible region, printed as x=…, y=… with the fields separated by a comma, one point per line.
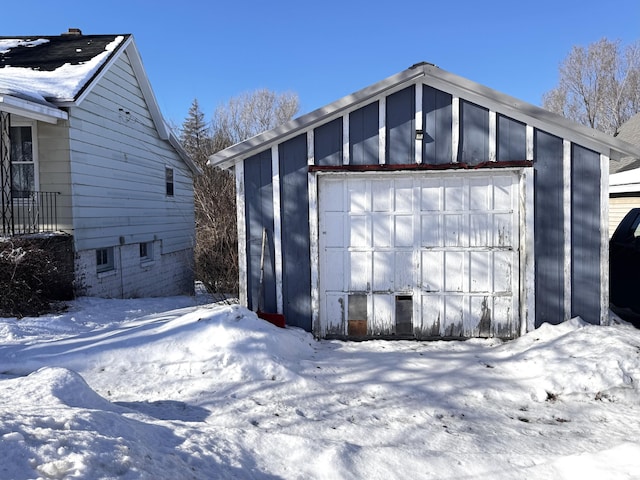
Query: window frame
x=146, y=251
x=34, y=156
x=105, y=259
x=169, y=180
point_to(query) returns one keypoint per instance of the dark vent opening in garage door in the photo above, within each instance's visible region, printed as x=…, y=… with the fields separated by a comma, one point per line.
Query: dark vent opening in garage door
x=357, y=315
x=404, y=315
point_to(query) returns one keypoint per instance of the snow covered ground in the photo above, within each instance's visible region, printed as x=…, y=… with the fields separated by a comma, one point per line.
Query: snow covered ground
x=176, y=389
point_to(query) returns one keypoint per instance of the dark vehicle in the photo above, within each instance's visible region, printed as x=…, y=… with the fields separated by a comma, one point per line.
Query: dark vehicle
x=624, y=268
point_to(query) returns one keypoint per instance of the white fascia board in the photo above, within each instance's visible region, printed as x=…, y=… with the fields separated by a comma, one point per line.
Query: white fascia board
x=622, y=182
x=33, y=110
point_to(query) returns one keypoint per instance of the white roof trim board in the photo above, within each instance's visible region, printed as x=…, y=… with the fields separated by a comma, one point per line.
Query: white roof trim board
x=29, y=109
x=433, y=76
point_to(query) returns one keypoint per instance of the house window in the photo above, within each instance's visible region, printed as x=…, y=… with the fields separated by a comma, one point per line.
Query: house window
x=168, y=173
x=104, y=259
x=146, y=251
x=23, y=168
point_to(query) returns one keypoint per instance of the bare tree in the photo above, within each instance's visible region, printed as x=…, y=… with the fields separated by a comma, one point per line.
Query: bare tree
x=216, y=252
x=252, y=113
x=599, y=86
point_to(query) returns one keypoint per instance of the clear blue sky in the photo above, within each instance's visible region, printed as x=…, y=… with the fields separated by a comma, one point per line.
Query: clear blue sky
x=213, y=50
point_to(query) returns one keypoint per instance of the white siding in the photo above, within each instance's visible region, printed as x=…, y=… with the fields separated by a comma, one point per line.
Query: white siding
x=618, y=208
x=118, y=171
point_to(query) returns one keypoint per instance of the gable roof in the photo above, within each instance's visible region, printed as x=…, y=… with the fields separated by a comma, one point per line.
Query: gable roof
x=433, y=76
x=40, y=75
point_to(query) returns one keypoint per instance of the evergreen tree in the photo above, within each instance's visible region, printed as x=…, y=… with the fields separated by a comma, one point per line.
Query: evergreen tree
x=216, y=250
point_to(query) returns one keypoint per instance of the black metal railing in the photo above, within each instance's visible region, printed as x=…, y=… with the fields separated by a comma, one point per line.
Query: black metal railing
x=30, y=212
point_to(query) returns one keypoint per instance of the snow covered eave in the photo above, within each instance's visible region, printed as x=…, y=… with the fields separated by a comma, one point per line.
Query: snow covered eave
x=33, y=110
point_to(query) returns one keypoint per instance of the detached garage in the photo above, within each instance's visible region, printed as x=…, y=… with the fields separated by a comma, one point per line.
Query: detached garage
x=425, y=206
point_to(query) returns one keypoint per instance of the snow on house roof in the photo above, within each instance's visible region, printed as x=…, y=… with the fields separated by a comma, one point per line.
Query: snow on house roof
x=40, y=74
x=53, y=69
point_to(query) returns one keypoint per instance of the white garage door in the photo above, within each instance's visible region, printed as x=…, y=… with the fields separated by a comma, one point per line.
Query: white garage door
x=423, y=254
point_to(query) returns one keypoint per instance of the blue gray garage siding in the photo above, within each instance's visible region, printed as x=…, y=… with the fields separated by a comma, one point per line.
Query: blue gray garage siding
x=473, y=148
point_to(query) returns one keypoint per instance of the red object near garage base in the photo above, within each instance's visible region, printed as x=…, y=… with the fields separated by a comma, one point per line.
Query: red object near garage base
x=276, y=318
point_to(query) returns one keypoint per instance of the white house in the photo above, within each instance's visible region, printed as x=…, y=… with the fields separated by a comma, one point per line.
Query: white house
x=86, y=154
x=624, y=178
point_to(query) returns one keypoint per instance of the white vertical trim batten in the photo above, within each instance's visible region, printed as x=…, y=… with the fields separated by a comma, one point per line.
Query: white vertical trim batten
x=604, y=240
x=528, y=303
x=345, y=140
x=493, y=128
x=382, y=131
x=529, y=136
x=242, y=235
x=310, y=148
x=418, y=124
x=277, y=226
x=314, y=251
x=455, y=128
x=566, y=215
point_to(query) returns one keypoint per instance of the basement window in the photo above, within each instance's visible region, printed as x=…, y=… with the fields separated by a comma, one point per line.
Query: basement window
x=146, y=251
x=104, y=259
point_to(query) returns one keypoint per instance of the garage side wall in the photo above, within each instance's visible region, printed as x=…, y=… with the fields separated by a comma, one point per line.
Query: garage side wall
x=585, y=246
x=549, y=228
x=259, y=216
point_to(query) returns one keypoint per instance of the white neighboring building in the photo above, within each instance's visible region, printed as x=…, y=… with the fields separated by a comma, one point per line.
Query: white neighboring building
x=86, y=153
x=624, y=177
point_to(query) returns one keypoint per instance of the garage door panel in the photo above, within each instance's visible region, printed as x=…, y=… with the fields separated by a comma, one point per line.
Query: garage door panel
x=404, y=268
x=431, y=196
x=454, y=307
x=503, y=230
x=502, y=321
x=359, y=228
x=504, y=192
x=331, y=196
x=431, y=230
x=333, y=229
x=383, y=314
x=403, y=190
x=479, y=194
x=332, y=271
x=403, y=231
x=480, y=271
x=359, y=271
x=480, y=230
x=503, y=266
x=383, y=270
x=454, y=271
x=432, y=266
x=382, y=230
x=454, y=195
x=432, y=307
x=358, y=197
x=381, y=191
x=454, y=231
x=334, y=306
